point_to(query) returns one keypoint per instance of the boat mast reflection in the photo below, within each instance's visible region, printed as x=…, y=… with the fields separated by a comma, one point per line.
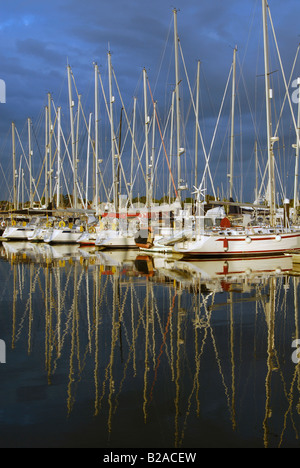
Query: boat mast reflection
x=160, y=333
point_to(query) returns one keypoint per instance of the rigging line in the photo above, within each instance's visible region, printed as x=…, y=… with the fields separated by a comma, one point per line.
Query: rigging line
x=262, y=184
x=9, y=190
x=93, y=148
x=36, y=192
x=128, y=123
x=159, y=152
x=70, y=160
x=108, y=113
x=36, y=140
x=292, y=72
x=248, y=100
x=80, y=107
x=163, y=53
x=284, y=79
x=52, y=163
x=215, y=132
x=161, y=136
x=207, y=157
x=280, y=182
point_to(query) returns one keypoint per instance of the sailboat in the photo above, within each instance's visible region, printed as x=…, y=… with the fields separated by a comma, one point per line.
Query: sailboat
x=230, y=240
x=21, y=230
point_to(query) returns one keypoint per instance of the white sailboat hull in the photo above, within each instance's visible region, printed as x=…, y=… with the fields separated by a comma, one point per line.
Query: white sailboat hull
x=62, y=236
x=111, y=239
x=87, y=238
x=37, y=235
x=239, y=244
x=17, y=233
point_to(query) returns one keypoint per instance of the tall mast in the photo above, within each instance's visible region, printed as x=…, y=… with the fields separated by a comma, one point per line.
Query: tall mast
x=58, y=156
x=232, y=123
x=171, y=142
x=50, y=130
x=71, y=104
x=196, y=130
x=96, y=152
x=132, y=148
x=77, y=148
x=113, y=155
x=30, y=163
x=119, y=153
x=46, y=157
x=296, y=146
x=22, y=188
x=87, y=163
x=14, y=165
x=270, y=139
x=152, y=154
x=146, y=123
x=256, y=172
x=179, y=150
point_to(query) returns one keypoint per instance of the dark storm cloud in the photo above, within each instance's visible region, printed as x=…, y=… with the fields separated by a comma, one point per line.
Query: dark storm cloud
x=39, y=50
x=39, y=39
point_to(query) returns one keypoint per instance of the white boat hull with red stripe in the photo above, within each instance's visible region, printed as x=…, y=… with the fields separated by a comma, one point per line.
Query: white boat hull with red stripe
x=234, y=243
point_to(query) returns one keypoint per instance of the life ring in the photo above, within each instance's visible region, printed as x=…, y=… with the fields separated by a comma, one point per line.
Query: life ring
x=61, y=224
x=92, y=229
x=3, y=224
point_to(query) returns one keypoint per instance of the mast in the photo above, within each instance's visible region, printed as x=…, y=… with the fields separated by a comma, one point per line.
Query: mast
x=256, y=172
x=30, y=163
x=232, y=123
x=146, y=123
x=132, y=148
x=87, y=163
x=71, y=104
x=77, y=144
x=50, y=130
x=270, y=140
x=22, y=203
x=119, y=152
x=196, y=130
x=296, y=146
x=171, y=142
x=113, y=155
x=58, y=156
x=96, y=152
x=177, y=82
x=46, y=157
x=152, y=154
x=14, y=165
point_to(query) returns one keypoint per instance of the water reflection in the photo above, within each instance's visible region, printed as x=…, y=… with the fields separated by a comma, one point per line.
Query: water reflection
x=156, y=351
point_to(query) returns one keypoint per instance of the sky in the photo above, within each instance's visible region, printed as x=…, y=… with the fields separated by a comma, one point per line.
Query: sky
x=39, y=39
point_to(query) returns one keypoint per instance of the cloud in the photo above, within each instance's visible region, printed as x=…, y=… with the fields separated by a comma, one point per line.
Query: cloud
x=39, y=39
x=42, y=51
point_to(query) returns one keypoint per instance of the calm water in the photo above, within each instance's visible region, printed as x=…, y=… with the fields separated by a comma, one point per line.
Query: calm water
x=117, y=349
